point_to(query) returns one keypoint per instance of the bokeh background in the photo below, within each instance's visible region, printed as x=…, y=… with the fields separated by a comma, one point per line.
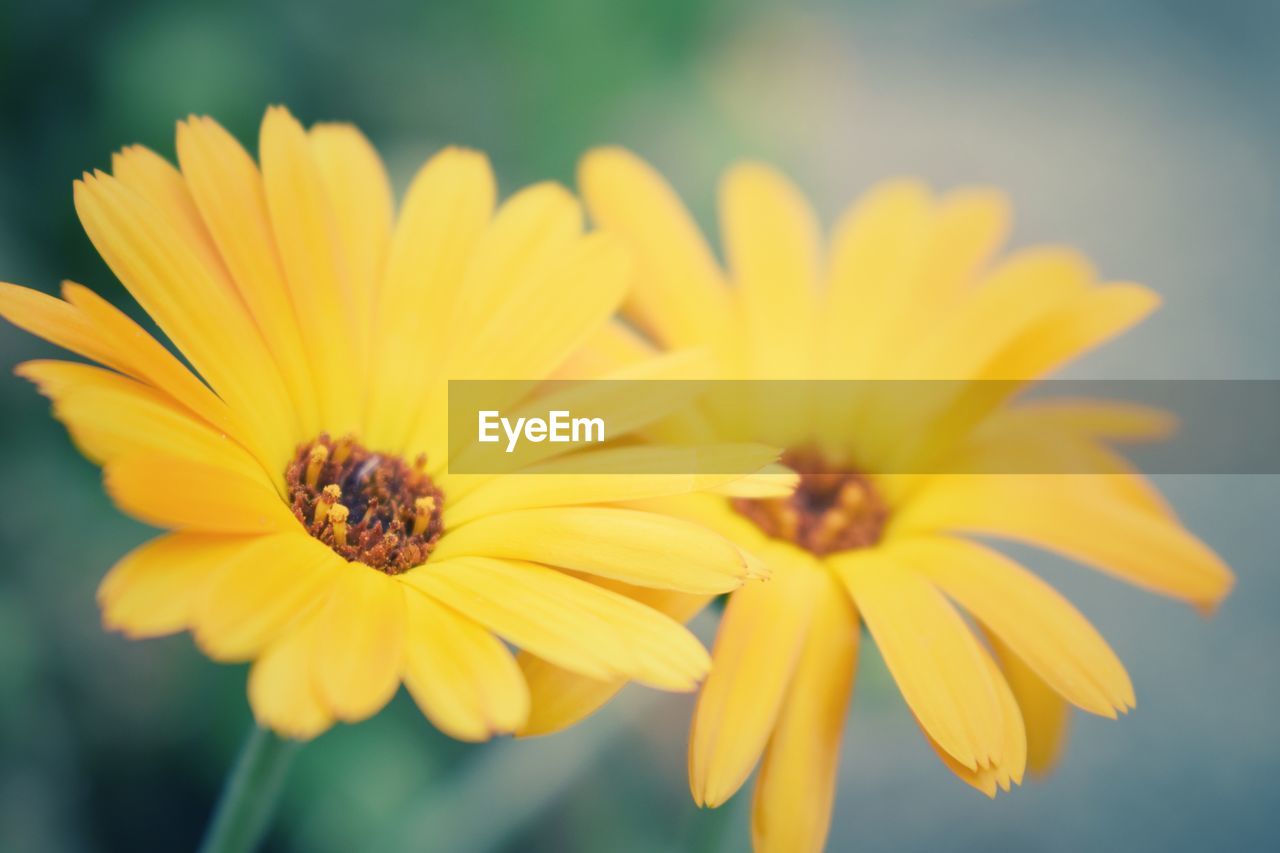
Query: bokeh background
x=1144, y=132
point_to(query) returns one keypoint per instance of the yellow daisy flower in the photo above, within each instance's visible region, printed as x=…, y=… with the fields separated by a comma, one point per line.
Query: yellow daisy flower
x=299, y=465
x=907, y=287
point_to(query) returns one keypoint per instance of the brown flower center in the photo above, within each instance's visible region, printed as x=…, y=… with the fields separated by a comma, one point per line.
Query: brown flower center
x=831, y=509
x=368, y=507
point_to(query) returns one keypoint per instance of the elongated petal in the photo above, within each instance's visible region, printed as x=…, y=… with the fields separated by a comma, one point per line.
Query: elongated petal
x=756, y=650
x=266, y=588
x=360, y=642
x=640, y=548
x=182, y=494
x=154, y=589
x=281, y=691
x=1012, y=765
x=462, y=677
x=570, y=622
x=1059, y=514
x=146, y=359
x=874, y=248
x=559, y=697
x=1024, y=288
x=772, y=242
x=1045, y=713
x=111, y=416
x=360, y=195
x=796, y=786
x=189, y=303
x=155, y=179
x=1086, y=321
x=306, y=236
x=227, y=188
x=680, y=294
x=57, y=322
x=448, y=206
x=931, y=653
x=1029, y=616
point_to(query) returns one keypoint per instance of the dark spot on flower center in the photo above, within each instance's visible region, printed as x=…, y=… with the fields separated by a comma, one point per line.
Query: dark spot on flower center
x=369, y=507
x=832, y=509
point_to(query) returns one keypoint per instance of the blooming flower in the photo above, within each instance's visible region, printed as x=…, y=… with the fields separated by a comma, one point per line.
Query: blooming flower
x=907, y=288
x=299, y=464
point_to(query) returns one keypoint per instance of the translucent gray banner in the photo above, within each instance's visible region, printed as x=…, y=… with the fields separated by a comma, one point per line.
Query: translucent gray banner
x=878, y=427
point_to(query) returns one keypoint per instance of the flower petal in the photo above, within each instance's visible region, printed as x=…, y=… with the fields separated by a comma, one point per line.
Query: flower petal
x=1044, y=712
x=306, y=236
x=281, y=690
x=931, y=653
x=360, y=642
x=1027, y=614
x=772, y=241
x=267, y=587
x=791, y=811
x=227, y=188
x=641, y=548
x=449, y=204
x=756, y=650
x=155, y=588
x=182, y=494
x=462, y=677
x=570, y=622
x=680, y=293
x=1064, y=515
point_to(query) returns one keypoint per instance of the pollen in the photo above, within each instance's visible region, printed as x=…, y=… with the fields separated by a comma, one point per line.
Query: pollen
x=371, y=508
x=832, y=509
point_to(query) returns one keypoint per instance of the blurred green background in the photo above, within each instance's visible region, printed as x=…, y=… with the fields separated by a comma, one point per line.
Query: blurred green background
x=1143, y=132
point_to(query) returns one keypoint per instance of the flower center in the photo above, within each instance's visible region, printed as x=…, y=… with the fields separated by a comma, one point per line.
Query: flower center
x=831, y=510
x=368, y=507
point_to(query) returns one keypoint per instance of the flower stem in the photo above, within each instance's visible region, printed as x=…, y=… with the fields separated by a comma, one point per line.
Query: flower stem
x=249, y=796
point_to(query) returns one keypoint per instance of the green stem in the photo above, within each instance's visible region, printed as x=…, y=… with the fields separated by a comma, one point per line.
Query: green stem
x=249, y=796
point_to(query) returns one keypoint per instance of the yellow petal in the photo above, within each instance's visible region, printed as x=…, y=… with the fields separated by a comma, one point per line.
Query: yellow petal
x=559, y=698
x=1062, y=514
x=570, y=622
x=146, y=359
x=193, y=308
x=532, y=329
x=281, y=690
x=227, y=188
x=642, y=548
x=931, y=653
x=772, y=241
x=874, y=254
x=182, y=494
x=462, y=677
x=1012, y=765
x=360, y=642
x=267, y=587
x=306, y=236
x=56, y=322
x=111, y=416
x=1084, y=322
x=1025, y=287
x=796, y=787
x=679, y=295
x=154, y=589
x=155, y=179
x=1045, y=713
x=1029, y=616
x=756, y=650
x=446, y=210
x=360, y=196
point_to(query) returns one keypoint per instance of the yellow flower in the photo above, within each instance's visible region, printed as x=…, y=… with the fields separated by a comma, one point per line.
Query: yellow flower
x=300, y=467
x=908, y=287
